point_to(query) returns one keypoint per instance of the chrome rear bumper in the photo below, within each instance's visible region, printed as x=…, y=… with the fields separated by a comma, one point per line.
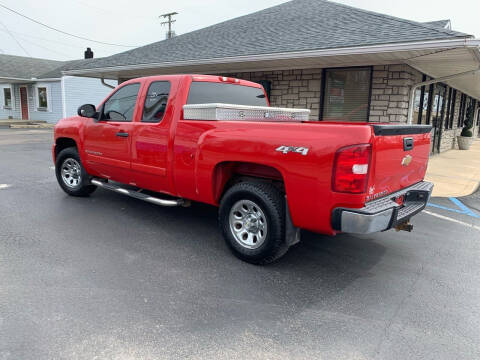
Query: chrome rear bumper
x=383, y=214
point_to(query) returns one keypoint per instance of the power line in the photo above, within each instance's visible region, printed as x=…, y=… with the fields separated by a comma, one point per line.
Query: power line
x=14, y=38
x=23, y=35
x=48, y=49
x=61, y=31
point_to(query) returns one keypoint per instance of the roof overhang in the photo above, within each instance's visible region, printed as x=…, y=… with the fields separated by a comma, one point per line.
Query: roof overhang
x=13, y=80
x=434, y=58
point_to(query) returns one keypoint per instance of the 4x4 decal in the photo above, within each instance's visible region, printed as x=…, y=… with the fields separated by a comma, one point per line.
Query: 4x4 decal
x=295, y=149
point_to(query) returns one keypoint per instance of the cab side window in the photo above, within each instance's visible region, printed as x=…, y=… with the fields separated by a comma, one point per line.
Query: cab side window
x=120, y=106
x=156, y=101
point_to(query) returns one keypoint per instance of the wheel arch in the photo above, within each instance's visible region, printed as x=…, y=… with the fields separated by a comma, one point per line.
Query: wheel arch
x=63, y=143
x=228, y=173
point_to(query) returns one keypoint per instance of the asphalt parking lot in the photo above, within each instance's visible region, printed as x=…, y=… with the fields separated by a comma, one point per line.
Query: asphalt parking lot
x=110, y=277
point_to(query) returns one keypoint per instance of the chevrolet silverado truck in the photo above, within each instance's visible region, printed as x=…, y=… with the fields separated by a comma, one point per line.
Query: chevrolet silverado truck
x=170, y=140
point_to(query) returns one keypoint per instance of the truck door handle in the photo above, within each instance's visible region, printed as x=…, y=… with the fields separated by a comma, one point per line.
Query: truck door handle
x=122, y=134
x=407, y=144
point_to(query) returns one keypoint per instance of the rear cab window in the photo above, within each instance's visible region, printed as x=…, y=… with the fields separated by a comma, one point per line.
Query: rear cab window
x=202, y=92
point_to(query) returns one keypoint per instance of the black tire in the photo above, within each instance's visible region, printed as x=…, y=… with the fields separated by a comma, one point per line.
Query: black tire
x=271, y=204
x=78, y=186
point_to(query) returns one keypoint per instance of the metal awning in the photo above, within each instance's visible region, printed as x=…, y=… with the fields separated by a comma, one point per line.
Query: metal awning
x=452, y=62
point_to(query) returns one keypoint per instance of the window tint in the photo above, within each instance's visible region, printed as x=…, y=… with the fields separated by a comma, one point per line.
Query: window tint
x=346, y=94
x=208, y=92
x=156, y=101
x=120, y=106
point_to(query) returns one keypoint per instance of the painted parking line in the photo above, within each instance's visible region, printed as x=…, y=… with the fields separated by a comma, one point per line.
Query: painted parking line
x=4, y=186
x=452, y=220
x=461, y=208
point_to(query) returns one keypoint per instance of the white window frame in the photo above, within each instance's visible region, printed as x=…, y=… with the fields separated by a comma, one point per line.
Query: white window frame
x=12, y=93
x=49, y=97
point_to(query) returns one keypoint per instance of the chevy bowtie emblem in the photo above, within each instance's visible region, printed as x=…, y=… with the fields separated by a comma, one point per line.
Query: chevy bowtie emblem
x=406, y=160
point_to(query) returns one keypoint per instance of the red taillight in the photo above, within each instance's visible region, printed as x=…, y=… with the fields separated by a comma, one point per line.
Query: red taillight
x=350, y=169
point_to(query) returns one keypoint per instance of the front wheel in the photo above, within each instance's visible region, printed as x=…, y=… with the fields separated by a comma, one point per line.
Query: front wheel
x=71, y=175
x=252, y=219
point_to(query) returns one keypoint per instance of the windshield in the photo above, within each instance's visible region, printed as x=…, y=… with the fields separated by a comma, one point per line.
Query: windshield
x=209, y=92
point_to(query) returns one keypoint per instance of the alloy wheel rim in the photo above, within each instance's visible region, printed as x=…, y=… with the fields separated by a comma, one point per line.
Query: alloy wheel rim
x=248, y=224
x=71, y=172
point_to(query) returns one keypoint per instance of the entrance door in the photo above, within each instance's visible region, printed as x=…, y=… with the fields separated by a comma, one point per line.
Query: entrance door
x=24, y=102
x=438, y=111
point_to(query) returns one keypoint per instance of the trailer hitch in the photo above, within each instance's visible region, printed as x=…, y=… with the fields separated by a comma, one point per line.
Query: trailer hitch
x=405, y=226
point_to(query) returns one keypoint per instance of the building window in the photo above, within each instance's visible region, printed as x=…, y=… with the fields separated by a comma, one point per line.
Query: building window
x=7, y=98
x=452, y=109
x=449, y=106
x=461, y=112
x=42, y=97
x=346, y=94
x=421, y=103
x=438, y=105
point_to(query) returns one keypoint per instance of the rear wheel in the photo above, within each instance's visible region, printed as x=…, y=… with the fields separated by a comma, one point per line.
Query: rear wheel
x=252, y=219
x=71, y=175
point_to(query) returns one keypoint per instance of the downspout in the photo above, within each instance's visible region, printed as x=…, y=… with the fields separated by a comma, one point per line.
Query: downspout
x=429, y=82
x=105, y=84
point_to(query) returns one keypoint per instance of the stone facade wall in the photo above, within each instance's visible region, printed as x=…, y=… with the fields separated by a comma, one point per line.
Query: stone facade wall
x=390, y=90
x=291, y=88
x=449, y=139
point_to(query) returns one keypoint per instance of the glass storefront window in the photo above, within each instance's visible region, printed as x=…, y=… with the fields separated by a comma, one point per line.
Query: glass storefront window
x=346, y=94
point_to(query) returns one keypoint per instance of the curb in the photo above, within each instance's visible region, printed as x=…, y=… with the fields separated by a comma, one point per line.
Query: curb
x=33, y=126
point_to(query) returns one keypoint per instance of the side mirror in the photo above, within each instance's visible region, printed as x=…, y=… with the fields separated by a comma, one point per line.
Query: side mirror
x=87, y=110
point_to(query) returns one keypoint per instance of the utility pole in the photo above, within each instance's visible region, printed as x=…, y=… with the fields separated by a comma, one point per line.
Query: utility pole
x=170, y=21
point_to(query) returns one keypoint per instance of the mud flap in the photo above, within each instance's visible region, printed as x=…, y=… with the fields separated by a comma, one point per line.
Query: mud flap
x=292, y=233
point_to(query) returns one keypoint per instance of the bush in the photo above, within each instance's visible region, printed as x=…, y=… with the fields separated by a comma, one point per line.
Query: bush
x=468, y=124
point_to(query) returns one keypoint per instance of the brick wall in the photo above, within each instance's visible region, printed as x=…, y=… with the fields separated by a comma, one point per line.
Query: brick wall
x=390, y=90
x=291, y=88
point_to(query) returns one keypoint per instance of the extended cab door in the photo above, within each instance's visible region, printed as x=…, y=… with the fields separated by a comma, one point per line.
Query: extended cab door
x=151, y=137
x=107, y=142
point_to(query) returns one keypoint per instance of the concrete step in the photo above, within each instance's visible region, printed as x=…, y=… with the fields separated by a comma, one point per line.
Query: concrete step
x=24, y=124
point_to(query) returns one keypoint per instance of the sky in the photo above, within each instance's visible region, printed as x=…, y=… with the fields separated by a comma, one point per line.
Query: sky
x=132, y=24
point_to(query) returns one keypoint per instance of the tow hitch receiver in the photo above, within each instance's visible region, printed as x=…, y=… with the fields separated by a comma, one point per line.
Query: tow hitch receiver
x=405, y=226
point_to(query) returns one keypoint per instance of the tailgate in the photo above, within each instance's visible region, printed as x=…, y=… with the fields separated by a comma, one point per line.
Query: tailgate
x=400, y=158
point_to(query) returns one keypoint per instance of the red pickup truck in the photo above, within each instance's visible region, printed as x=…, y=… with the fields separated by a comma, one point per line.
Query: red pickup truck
x=174, y=139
